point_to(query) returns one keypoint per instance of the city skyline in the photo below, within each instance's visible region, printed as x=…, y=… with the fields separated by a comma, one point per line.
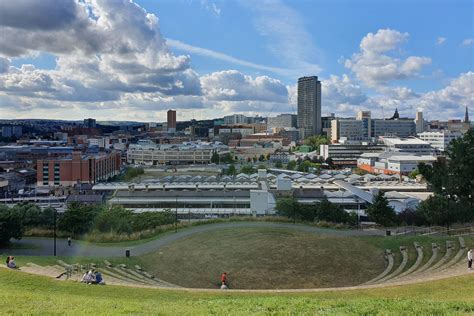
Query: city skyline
x=126, y=61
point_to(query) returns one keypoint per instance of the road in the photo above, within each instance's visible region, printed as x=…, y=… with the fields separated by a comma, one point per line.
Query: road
x=44, y=246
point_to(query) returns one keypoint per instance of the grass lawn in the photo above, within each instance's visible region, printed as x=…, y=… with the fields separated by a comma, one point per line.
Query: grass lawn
x=21, y=293
x=266, y=258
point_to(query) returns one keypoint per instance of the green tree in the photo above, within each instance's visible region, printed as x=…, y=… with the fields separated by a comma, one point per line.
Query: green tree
x=227, y=158
x=231, y=170
x=315, y=141
x=291, y=165
x=380, y=211
x=288, y=207
x=78, y=218
x=414, y=174
x=10, y=225
x=116, y=219
x=327, y=211
x=278, y=164
x=452, y=180
x=215, y=157
x=261, y=158
x=247, y=169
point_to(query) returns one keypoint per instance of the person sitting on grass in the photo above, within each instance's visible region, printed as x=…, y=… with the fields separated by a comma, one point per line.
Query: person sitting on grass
x=98, y=278
x=11, y=263
x=88, y=277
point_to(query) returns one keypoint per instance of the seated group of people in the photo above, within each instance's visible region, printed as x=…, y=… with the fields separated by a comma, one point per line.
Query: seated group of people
x=93, y=277
x=11, y=262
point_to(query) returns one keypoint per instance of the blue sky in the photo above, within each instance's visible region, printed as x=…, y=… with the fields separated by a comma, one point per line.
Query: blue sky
x=417, y=55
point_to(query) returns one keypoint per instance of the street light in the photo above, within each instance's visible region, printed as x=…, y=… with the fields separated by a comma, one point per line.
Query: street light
x=55, y=213
x=176, y=215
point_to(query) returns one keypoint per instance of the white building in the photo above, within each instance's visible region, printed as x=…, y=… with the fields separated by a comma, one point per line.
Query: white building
x=149, y=153
x=407, y=145
x=440, y=140
x=392, y=163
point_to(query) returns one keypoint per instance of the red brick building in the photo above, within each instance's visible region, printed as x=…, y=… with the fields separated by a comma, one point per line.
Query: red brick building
x=171, y=120
x=78, y=168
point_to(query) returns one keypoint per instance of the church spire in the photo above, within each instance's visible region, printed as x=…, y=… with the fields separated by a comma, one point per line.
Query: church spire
x=466, y=116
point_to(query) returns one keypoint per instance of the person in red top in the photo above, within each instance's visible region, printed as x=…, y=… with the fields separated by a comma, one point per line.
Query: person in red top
x=224, y=278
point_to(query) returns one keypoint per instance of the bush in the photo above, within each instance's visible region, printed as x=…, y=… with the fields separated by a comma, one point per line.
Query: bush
x=10, y=225
x=78, y=218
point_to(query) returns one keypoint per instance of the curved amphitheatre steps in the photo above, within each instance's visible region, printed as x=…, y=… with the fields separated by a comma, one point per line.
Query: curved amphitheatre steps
x=116, y=275
x=457, y=257
x=419, y=259
x=404, y=253
x=444, y=259
x=429, y=263
x=390, y=262
x=447, y=266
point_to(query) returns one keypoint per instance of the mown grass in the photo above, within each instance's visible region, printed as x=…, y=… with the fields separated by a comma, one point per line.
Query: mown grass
x=27, y=294
x=266, y=258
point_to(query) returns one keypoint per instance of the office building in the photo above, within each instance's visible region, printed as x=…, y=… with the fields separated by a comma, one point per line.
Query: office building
x=347, y=154
x=326, y=125
x=235, y=119
x=171, y=121
x=407, y=145
x=90, y=123
x=282, y=121
x=440, y=140
x=392, y=162
x=398, y=127
x=347, y=129
x=309, y=106
x=77, y=168
x=419, y=122
x=148, y=153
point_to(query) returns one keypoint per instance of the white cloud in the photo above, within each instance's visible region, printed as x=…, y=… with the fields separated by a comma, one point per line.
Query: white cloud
x=221, y=56
x=440, y=40
x=468, y=42
x=452, y=99
x=103, y=47
x=232, y=85
x=374, y=68
x=287, y=36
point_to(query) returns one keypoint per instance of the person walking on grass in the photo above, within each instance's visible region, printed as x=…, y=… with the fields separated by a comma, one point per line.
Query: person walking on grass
x=224, y=284
x=469, y=259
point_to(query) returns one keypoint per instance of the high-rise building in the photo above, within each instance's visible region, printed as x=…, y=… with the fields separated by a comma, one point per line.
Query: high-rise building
x=171, y=121
x=90, y=123
x=309, y=106
x=466, y=116
x=420, y=124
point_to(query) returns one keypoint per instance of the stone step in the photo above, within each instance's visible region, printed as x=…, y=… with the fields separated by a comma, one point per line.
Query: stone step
x=419, y=259
x=389, y=257
x=444, y=259
x=404, y=253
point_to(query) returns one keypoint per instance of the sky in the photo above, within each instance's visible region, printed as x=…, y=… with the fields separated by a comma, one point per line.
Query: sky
x=134, y=60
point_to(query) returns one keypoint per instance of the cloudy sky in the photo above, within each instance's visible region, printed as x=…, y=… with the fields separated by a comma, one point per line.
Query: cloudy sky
x=125, y=60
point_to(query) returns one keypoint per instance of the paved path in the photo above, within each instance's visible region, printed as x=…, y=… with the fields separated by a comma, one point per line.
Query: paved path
x=44, y=246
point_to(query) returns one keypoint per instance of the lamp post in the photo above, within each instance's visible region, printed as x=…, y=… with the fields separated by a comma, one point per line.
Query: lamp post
x=55, y=214
x=176, y=215
x=358, y=212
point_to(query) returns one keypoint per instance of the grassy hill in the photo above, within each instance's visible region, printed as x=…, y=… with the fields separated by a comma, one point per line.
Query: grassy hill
x=22, y=293
x=259, y=258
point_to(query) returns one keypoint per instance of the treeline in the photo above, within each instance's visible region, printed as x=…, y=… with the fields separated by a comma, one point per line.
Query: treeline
x=79, y=219
x=315, y=212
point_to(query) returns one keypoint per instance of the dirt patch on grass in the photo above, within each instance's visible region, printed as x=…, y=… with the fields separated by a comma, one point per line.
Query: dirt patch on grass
x=266, y=258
